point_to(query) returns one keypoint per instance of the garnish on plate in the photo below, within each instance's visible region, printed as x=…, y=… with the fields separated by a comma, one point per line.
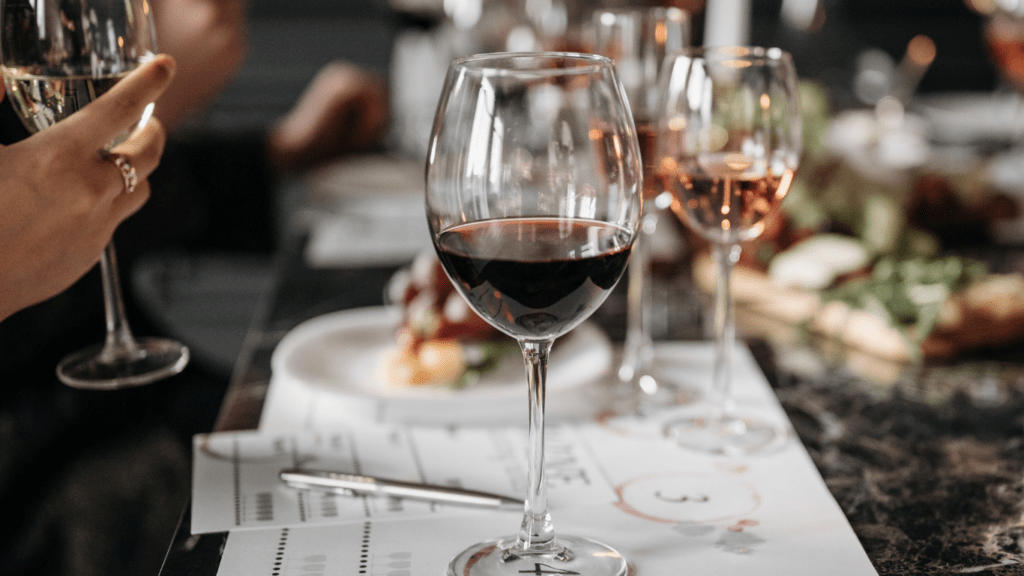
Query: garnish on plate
x=440, y=341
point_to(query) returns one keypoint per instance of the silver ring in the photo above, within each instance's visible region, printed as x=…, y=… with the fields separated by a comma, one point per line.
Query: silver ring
x=126, y=168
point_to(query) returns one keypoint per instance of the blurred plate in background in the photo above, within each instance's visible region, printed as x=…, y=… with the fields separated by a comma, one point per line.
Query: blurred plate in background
x=366, y=211
x=967, y=118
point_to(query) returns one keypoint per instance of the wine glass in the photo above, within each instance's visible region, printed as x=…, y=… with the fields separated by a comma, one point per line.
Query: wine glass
x=57, y=56
x=533, y=202
x=729, y=145
x=1003, y=33
x=638, y=41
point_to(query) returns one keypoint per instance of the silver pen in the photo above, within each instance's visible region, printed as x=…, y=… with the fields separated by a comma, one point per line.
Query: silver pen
x=353, y=484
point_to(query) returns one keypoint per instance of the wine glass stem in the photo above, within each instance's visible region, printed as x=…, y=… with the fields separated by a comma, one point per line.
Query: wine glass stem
x=638, y=347
x=723, y=405
x=537, y=533
x=119, y=343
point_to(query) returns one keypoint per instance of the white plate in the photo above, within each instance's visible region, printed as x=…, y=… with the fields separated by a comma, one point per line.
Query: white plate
x=370, y=175
x=339, y=352
x=972, y=117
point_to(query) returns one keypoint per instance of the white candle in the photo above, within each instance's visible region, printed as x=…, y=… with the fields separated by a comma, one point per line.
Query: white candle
x=727, y=23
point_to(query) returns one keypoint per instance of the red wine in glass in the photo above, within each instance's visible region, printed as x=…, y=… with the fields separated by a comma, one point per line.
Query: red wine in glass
x=535, y=277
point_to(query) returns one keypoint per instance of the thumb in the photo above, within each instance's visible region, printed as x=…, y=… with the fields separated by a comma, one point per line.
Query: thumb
x=121, y=107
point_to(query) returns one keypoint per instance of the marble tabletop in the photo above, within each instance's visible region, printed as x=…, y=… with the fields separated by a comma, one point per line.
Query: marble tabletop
x=928, y=468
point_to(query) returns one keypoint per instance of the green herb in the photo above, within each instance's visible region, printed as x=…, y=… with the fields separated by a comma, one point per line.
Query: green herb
x=486, y=356
x=909, y=292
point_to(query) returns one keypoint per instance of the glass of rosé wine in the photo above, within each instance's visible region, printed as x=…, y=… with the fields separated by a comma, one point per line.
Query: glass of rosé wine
x=638, y=40
x=729, y=142
x=1003, y=33
x=533, y=203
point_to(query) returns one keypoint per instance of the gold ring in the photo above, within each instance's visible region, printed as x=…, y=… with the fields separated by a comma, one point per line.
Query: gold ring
x=126, y=168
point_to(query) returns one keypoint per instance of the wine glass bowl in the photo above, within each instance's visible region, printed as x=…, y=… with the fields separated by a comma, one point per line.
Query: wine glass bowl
x=729, y=143
x=726, y=197
x=731, y=138
x=543, y=179
x=637, y=40
x=1003, y=33
x=533, y=203
x=60, y=55
x=57, y=57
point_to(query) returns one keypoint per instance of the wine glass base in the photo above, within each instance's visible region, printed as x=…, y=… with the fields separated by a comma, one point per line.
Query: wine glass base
x=648, y=392
x=742, y=436
x=578, y=556
x=659, y=390
x=157, y=358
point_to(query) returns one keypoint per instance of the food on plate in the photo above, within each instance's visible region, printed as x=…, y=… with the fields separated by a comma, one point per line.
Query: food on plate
x=899, y=310
x=432, y=362
x=440, y=340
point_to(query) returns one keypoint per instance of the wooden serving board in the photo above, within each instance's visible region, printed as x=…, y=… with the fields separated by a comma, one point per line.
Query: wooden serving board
x=989, y=312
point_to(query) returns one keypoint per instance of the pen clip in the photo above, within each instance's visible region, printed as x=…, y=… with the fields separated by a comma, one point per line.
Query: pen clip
x=312, y=480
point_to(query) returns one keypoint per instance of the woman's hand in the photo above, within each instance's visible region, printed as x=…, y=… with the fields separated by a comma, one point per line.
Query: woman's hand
x=60, y=201
x=343, y=109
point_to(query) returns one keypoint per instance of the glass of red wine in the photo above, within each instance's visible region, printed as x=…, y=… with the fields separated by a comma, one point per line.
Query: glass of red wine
x=729, y=142
x=638, y=40
x=533, y=203
x=59, y=55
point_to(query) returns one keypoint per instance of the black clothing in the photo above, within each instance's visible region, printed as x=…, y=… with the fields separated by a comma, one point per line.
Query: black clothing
x=93, y=482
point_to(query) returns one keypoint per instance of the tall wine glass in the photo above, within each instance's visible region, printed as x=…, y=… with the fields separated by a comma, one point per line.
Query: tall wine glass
x=729, y=144
x=638, y=40
x=1003, y=33
x=57, y=56
x=533, y=202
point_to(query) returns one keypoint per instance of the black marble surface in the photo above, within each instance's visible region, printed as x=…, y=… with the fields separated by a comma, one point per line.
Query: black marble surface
x=929, y=468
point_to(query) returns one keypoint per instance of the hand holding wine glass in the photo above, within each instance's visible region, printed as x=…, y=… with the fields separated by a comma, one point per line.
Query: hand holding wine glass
x=61, y=202
x=59, y=56
x=533, y=202
x=729, y=145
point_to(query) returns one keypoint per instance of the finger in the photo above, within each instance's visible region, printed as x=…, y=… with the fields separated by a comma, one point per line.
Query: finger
x=121, y=107
x=144, y=148
x=124, y=205
x=142, y=151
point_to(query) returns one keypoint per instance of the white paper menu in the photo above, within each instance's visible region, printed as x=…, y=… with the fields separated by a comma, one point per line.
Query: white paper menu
x=236, y=484
x=666, y=509
x=424, y=548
